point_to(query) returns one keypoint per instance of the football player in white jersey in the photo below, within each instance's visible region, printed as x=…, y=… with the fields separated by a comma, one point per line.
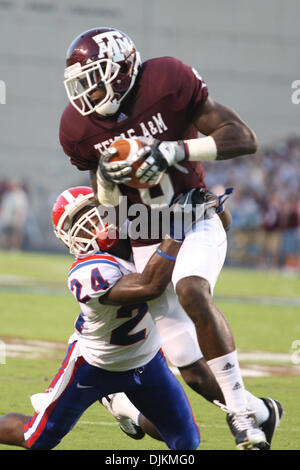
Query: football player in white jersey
x=116, y=346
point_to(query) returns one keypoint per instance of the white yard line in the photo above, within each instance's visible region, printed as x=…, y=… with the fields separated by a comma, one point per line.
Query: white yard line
x=33, y=285
x=244, y=372
x=36, y=349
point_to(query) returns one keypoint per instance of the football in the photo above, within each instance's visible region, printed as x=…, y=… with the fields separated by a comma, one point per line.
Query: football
x=127, y=148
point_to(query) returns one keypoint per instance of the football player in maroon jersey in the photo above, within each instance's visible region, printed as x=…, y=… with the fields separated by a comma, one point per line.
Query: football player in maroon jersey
x=113, y=94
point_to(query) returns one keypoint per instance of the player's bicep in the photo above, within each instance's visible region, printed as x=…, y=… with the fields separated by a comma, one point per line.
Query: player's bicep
x=213, y=116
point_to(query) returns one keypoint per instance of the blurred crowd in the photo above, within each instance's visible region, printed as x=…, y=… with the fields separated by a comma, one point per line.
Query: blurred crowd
x=14, y=208
x=265, y=208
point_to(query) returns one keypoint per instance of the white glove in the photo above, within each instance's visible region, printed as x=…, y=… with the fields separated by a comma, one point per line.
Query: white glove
x=114, y=172
x=108, y=193
x=118, y=172
x=159, y=156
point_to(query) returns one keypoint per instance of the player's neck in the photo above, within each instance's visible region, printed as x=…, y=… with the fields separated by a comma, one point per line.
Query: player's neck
x=121, y=250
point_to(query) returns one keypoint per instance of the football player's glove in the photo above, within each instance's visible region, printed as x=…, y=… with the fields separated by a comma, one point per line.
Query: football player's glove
x=188, y=209
x=222, y=199
x=108, y=193
x=159, y=156
x=114, y=172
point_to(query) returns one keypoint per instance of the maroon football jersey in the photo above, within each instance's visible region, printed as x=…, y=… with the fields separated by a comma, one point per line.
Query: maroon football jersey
x=166, y=97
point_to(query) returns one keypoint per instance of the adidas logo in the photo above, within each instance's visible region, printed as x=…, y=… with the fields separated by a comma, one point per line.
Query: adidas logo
x=228, y=366
x=122, y=117
x=237, y=386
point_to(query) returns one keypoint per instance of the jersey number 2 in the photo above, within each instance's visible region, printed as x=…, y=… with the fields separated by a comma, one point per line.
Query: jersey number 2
x=121, y=335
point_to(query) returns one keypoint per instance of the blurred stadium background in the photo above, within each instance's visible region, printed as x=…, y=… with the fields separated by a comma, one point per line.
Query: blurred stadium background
x=248, y=52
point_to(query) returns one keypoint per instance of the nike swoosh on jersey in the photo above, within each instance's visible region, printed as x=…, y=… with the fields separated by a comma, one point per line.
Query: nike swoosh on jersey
x=78, y=385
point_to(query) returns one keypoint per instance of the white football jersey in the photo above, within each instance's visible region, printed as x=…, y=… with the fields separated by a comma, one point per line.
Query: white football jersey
x=115, y=338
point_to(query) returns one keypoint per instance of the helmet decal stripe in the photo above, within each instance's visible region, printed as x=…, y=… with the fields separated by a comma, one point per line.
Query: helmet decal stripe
x=68, y=196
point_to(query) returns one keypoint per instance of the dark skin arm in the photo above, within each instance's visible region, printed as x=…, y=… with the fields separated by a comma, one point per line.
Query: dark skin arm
x=225, y=218
x=93, y=180
x=225, y=215
x=232, y=136
x=151, y=283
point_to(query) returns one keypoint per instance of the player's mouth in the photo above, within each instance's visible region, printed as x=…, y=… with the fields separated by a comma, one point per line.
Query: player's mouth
x=97, y=96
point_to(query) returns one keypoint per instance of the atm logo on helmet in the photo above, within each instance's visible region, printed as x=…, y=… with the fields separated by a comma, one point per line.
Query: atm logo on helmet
x=112, y=44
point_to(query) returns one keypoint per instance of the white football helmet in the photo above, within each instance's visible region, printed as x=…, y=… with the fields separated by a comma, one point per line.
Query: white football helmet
x=78, y=225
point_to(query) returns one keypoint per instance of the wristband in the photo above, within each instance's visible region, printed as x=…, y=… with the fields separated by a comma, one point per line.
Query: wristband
x=164, y=255
x=202, y=149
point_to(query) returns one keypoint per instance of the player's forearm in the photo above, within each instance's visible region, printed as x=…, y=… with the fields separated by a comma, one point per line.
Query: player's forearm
x=226, y=219
x=158, y=271
x=130, y=289
x=231, y=140
x=151, y=283
x=228, y=136
x=234, y=139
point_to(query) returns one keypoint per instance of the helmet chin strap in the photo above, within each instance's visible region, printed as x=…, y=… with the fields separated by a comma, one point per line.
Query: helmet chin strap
x=108, y=109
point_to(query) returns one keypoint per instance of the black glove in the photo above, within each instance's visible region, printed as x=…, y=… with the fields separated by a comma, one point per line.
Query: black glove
x=188, y=208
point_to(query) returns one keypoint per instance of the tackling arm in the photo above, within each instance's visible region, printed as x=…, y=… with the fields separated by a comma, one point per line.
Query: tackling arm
x=151, y=283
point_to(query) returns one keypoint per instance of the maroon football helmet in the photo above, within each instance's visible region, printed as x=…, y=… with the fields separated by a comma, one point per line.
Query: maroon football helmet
x=102, y=58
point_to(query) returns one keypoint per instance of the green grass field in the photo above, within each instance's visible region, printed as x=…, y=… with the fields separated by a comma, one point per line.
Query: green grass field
x=263, y=310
